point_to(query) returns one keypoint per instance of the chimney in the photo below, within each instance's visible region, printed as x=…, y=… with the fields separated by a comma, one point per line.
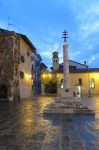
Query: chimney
x=85, y=63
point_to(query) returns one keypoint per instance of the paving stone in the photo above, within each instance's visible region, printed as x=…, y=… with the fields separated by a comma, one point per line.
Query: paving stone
x=22, y=127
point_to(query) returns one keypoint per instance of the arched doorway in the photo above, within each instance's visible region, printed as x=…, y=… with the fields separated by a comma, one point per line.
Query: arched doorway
x=3, y=92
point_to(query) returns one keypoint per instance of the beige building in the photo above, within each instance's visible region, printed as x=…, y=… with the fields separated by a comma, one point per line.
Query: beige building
x=16, y=52
x=86, y=80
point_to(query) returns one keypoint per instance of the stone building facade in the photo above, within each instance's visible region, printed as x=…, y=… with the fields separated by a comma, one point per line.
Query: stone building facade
x=85, y=79
x=15, y=65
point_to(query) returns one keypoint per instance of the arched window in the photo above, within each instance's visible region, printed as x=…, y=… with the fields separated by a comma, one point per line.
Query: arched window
x=61, y=83
x=80, y=81
x=22, y=59
x=92, y=83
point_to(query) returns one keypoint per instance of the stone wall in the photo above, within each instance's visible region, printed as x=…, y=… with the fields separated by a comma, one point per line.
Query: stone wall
x=7, y=65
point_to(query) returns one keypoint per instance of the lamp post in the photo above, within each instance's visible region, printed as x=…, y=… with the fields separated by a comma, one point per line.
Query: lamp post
x=89, y=90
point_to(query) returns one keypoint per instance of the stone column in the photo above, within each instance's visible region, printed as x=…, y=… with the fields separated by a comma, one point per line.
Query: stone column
x=66, y=92
x=66, y=84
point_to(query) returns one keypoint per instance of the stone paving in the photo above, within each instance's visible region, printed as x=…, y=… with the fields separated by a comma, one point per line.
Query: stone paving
x=24, y=127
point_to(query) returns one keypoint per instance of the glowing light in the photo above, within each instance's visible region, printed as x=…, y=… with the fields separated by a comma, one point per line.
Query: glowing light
x=27, y=76
x=44, y=75
x=30, y=76
x=50, y=75
x=97, y=74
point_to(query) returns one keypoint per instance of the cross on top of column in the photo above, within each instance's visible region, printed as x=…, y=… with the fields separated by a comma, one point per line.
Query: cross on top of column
x=64, y=34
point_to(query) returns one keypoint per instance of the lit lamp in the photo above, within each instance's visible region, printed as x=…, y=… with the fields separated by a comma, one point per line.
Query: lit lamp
x=49, y=75
x=27, y=76
x=46, y=77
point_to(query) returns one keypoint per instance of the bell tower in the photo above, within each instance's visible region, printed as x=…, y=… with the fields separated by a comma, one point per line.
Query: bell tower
x=55, y=60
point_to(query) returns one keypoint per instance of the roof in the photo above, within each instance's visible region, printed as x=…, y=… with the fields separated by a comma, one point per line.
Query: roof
x=73, y=62
x=43, y=65
x=54, y=52
x=84, y=70
x=25, y=38
x=4, y=31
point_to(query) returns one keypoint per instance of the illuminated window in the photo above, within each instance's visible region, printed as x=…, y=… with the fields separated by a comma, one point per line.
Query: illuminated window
x=92, y=83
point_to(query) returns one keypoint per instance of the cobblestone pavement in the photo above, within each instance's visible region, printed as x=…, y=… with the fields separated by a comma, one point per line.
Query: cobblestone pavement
x=24, y=127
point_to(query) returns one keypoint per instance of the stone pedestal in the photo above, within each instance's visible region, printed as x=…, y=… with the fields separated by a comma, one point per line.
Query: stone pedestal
x=67, y=94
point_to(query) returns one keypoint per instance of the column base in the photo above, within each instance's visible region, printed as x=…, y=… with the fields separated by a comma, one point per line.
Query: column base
x=67, y=93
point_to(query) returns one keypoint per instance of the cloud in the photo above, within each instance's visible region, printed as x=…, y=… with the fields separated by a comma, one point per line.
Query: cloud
x=93, y=58
x=3, y=24
x=88, y=19
x=73, y=55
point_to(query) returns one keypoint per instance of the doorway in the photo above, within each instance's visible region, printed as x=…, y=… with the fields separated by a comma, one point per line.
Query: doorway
x=79, y=91
x=3, y=92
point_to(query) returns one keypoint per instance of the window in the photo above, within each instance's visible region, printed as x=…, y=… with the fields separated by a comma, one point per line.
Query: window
x=92, y=83
x=61, y=83
x=1, y=53
x=1, y=72
x=16, y=41
x=80, y=81
x=28, y=53
x=22, y=59
x=1, y=39
x=54, y=62
x=15, y=53
x=22, y=75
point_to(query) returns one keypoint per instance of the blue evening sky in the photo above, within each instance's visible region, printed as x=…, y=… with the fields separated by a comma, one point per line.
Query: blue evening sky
x=44, y=20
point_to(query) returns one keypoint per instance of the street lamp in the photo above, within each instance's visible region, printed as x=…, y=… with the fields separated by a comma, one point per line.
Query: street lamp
x=89, y=90
x=46, y=77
